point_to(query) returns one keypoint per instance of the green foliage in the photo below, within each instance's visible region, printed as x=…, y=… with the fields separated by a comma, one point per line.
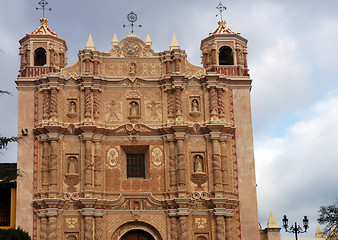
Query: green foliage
x=14, y=234
x=328, y=215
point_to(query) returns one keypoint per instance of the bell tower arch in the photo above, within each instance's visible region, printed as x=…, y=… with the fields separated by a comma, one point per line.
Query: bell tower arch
x=42, y=52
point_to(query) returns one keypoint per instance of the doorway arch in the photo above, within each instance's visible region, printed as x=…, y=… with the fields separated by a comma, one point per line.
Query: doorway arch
x=137, y=235
x=137, y=227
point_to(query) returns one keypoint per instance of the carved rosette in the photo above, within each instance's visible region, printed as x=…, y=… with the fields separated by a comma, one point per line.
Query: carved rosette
x=220, y=230
x=174, y=228
x=46, y=101
x=213, y=104
x=53, y=103
x=88, y=103
x=178, y=103
x=170, y=104
x=96, y=109
x=184, y=226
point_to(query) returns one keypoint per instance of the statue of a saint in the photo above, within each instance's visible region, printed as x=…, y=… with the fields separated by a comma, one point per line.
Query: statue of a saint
x=72, y=165
x=134, y=109
x=194, y=106
x=198, y=164
x=72, y=107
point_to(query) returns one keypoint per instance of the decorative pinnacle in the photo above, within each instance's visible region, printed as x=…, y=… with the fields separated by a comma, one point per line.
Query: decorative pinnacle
x=132, y=17
x=220, y=8
x=43, y=4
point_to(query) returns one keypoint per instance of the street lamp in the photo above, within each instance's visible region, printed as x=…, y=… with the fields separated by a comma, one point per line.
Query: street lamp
x=295, y=229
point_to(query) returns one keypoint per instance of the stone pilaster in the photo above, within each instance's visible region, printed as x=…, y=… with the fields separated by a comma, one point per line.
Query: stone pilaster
x=220, y=227
x=228, y=228
x=46, y=104
x=88, y=103
x=224, y=164
x=183, y=220
x=42, y=214
x=52, y=214
x=96, y=103
x=45, y=167
x=171, y=106
x=172, y=163
x=98, y=164
x=88, y=165
x=181, y=168
x=173, y=224
x=168, y=67
x=53, y=104
x=88, y=214
x=221, y=106
x=213, y=104
x=178, y=104
x=53, y=168
x=216, y=162
x=98, y=227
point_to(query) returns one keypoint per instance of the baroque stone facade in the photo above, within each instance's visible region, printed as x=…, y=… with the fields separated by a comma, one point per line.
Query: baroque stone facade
x=136, y=142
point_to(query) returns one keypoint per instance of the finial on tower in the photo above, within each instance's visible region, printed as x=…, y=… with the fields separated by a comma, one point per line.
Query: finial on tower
x=220, y=8
x=90, y=43
x=132, y=17
x=43, y=4
x=174, y=43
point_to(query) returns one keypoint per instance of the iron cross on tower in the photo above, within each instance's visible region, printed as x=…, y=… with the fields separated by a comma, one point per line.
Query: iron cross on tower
x=43, y=4
x=132, y=17
x=220, y=8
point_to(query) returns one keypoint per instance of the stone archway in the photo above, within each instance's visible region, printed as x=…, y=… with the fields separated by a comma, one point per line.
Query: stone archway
x=137, y=228
x=137, y=235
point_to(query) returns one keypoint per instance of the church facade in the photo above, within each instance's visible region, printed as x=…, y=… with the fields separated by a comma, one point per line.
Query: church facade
x=136, y=144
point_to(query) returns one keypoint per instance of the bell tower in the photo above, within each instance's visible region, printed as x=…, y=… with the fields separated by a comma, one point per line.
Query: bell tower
x=42, y=52
x=224, y=52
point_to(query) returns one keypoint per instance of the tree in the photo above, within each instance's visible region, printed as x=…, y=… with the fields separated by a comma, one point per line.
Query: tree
x=15, y=234
x=5, y=140
x=328, y=215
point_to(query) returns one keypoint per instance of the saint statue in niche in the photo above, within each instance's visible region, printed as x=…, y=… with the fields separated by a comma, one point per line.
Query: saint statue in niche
x=198, y=164
x=134, y=109
x=72, y=166
x=132, y=69
x=72, y=107
x=194, y=106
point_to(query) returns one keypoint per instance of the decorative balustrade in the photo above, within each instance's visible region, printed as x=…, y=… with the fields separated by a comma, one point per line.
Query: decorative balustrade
x=230, y=70
x=37, y=71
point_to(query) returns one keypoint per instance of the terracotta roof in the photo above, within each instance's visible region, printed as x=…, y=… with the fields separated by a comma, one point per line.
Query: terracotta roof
x=44, y=29
x=222, y=29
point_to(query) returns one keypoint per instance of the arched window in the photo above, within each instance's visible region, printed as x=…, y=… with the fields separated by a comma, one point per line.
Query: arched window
x=226, y=56
x=40, y=57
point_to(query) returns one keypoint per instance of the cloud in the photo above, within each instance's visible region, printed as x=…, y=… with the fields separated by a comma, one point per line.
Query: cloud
x=297, y=173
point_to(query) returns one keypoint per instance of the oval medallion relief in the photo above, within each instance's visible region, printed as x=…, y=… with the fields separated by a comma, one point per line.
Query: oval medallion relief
x=157, y=156
x=112, y=157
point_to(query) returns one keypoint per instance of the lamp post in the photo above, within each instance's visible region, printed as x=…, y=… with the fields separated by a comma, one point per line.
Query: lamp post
x=296, y=228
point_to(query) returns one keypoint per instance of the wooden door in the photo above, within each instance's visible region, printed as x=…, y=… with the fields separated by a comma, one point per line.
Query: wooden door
x=137, y=235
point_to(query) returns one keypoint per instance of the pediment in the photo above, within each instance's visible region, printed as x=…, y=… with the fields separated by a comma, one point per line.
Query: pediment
x=132, y=47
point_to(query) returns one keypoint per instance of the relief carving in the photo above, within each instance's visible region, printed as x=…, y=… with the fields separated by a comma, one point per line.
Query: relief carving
x=113, y=111
x=112, y=157
x=157, y=156
x=153, y=109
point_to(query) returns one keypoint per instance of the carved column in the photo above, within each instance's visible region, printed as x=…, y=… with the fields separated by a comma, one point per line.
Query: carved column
x=180, y=161
x=178, y=103
x=43, y=227
x=88, y=104
x=177, y=65
x=88, y=165
x=96, y=106
x=98, y=165
x=220, y=227
x=224, y=163
x=228, y=228
x=96, y=67
x=53, y=163
x=214, y=57
x=45, y=166
x=167, y=67
x=174, y=228
x=184, y=226
x=53, y=104
x=87, y=65
x=46, y=101
x=205, y=60
x=213, y=104
x=52, y=223
x=221, y=106
x=216, y=161
x=28, y=57
x=172, y=164
x=88, y=227
x=98, y=228
x=171, y=108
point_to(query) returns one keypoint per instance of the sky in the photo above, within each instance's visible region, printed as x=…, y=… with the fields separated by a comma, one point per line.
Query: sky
x=293, y=61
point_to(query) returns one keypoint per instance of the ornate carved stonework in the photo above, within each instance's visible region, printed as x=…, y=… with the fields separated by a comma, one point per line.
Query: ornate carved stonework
x=157, y=156
x=112, y=157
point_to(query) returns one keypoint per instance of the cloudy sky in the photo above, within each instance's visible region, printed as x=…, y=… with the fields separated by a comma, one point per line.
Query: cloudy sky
x=293, y=61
